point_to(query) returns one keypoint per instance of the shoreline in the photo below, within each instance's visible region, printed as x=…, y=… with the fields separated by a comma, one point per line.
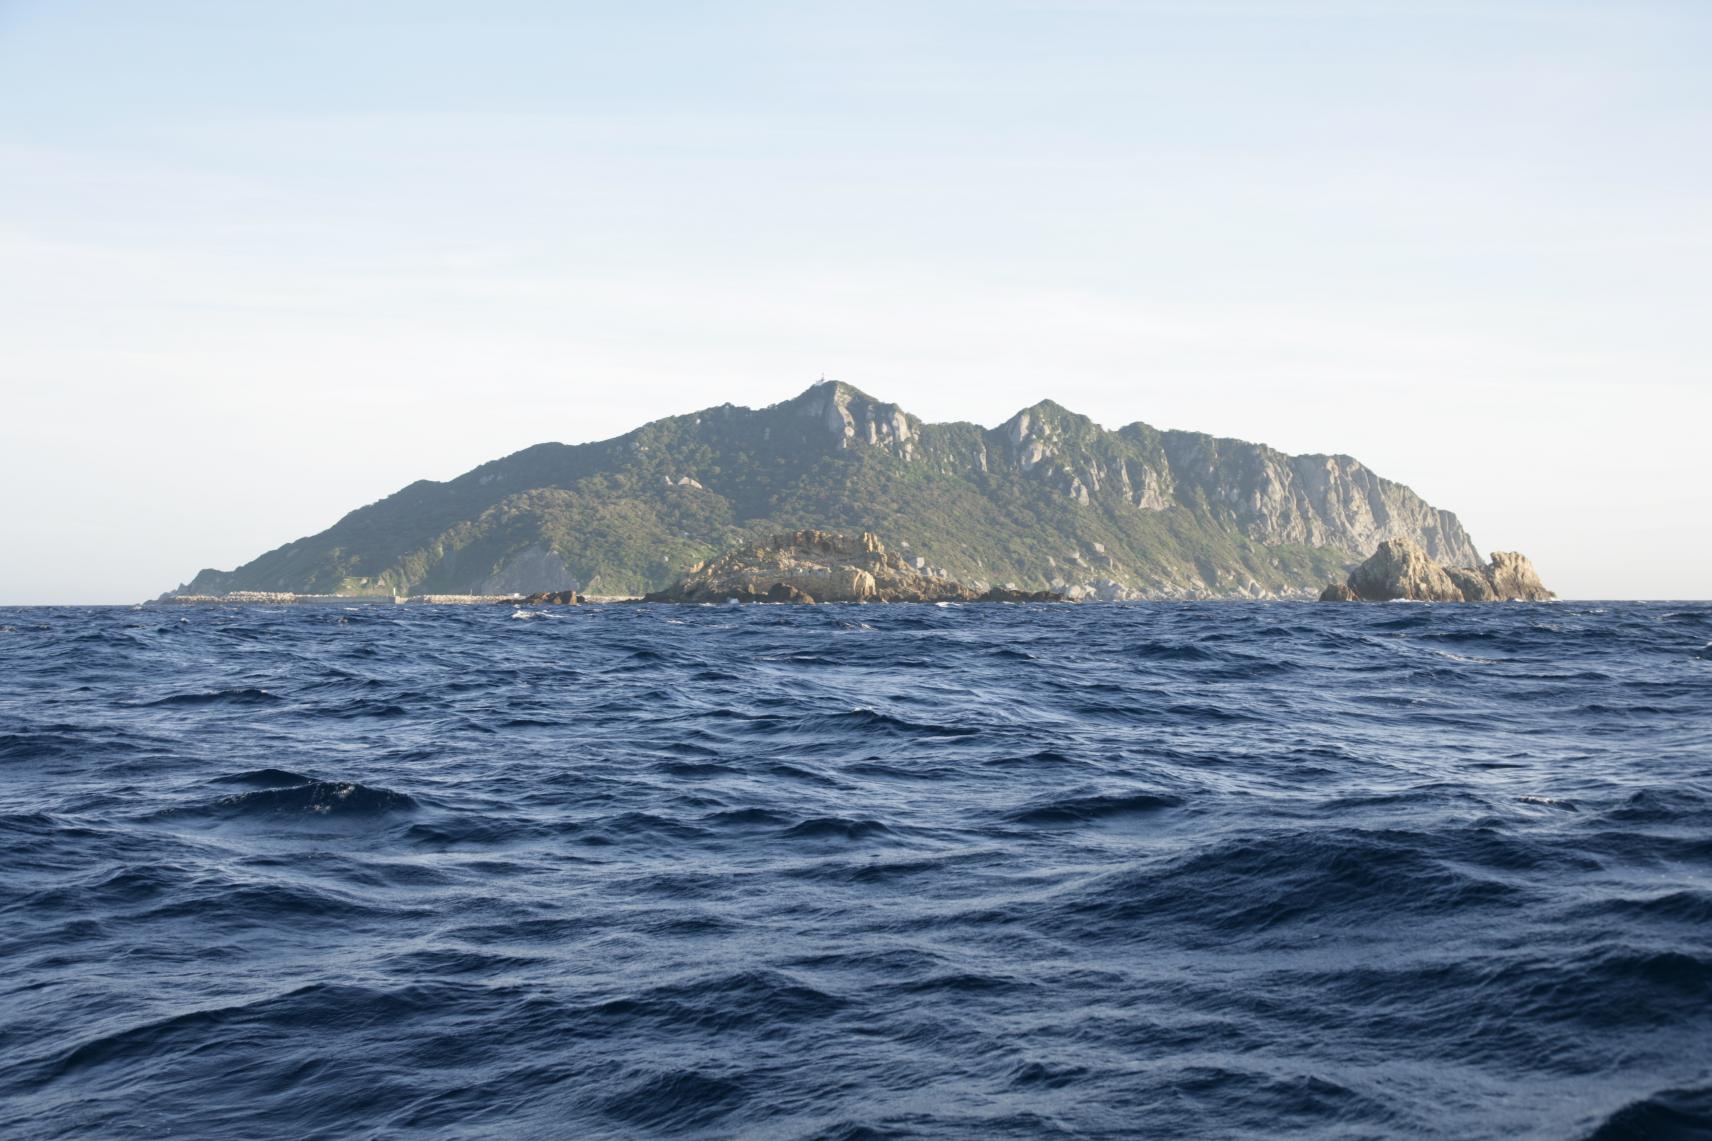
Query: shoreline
x=622, y=600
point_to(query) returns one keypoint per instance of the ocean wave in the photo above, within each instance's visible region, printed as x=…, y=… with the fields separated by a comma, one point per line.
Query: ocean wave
x=264, y=778
x=276, y=797
x=872, y=721
x=676, y=1101
x=1668, y=1115
x=1099, y=806
x=44, y=745
x=1333, y=879
x=1185, y=870
x=239, y=696
x=834, y=828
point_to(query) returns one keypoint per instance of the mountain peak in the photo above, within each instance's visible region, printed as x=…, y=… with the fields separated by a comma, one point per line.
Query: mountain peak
x=853, y=417
x=836, y=389
x=1043, y=419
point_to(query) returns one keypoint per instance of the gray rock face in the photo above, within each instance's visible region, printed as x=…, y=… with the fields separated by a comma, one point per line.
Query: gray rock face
x=1308, y=500
x=853, y=418
x=1312, y=500
x=1400, y=569
x=1472, y=583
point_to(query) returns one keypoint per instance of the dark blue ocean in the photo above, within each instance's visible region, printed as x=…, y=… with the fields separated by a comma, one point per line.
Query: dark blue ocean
x=1172, y=870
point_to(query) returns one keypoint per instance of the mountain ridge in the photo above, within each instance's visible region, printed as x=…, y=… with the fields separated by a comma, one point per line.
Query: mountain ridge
x=1047, y=498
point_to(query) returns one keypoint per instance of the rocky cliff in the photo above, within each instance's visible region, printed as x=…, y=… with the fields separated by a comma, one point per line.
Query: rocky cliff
x=1047, y=500
x=1401, y=570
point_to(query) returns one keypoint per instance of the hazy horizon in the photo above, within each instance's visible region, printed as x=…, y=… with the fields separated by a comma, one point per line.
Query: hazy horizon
x=261, y=267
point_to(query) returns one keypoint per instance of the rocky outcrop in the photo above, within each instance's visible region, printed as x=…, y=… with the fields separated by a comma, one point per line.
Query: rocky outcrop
x=1011, y=594
x=1513, y=577
x=551, y=598
x=1472, y=583
x=823, y=566
x=1401, y=570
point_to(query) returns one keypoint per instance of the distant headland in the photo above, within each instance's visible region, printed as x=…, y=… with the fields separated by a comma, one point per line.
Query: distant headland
x=1047, y=503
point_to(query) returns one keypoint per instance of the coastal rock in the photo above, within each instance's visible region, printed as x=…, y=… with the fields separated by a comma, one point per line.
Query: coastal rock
x=1513, y=577
x=1472, y=583
x=785, y=592
x=1400, y=569
x=551, y=598
x=824, y=566
x=1009, y=594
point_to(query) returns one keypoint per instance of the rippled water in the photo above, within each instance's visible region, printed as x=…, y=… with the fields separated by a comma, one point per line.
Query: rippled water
x=1178, y=870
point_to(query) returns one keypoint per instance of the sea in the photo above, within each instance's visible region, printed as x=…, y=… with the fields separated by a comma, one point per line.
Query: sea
x=1183, y=870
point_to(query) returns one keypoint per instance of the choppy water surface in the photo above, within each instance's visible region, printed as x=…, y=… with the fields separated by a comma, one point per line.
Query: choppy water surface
x=1179, y=870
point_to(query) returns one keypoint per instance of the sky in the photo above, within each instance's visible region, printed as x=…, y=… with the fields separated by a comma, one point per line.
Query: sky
x=263, y=263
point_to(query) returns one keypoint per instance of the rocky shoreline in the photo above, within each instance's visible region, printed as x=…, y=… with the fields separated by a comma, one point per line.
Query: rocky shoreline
x=808, y=567
x=822, y=566
x=1401, y=571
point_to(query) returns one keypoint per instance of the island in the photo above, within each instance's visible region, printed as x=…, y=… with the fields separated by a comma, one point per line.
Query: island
x=1048, y=500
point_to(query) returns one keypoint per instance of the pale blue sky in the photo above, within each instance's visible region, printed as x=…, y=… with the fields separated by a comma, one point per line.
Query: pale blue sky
x=261, y=263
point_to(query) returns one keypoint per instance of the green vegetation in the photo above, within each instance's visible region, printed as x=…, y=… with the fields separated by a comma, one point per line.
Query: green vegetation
x=1048, y=496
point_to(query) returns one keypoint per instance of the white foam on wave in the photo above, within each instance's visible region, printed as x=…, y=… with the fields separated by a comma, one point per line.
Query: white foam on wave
x=1467, y=658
